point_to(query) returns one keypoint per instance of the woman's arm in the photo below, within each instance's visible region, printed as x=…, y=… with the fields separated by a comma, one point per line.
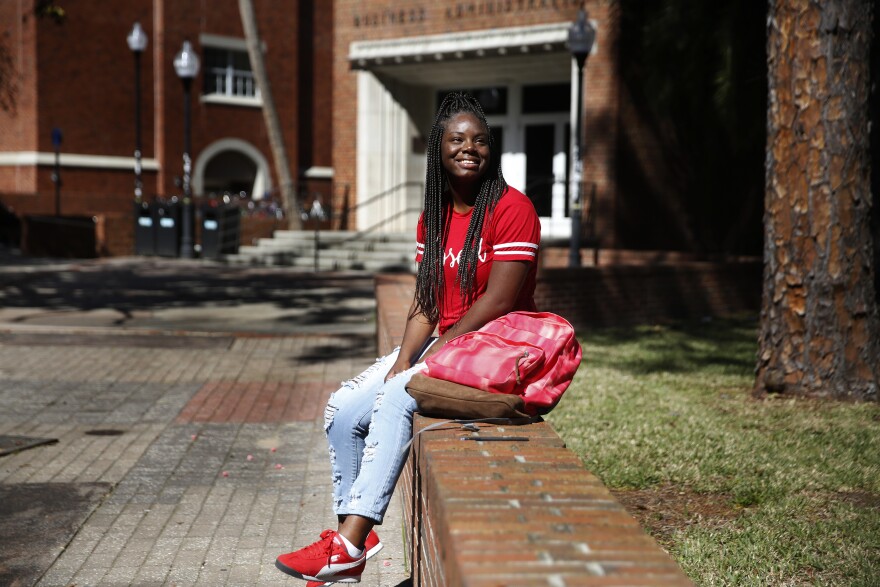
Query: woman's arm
x=415, y=335
x=502, y=290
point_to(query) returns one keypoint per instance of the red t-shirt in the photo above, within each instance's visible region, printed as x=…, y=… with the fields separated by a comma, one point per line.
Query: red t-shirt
x=511, y=233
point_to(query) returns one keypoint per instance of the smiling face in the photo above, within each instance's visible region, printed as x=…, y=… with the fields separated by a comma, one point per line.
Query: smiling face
x=464, y=150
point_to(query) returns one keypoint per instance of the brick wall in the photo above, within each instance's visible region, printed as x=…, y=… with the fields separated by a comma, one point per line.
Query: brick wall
x=55, y=236
x=17, y=123
x=116, y=235
x=633, y=294
x=316, y=95
x=624, y=294
x=78, y=76
x=115, y=228
x=278, y=28
x=86, y=79
x=255, y=228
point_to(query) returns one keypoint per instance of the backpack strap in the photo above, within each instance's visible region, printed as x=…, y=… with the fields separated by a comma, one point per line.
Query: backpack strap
x=465, y=423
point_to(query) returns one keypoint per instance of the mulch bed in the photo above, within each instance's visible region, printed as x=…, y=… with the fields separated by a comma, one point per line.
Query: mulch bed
x=664, y=510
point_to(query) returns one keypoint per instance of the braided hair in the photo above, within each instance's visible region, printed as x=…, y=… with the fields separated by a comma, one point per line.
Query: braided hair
x=437, y=211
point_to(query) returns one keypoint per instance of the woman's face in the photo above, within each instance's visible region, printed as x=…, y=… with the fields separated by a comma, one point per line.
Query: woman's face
x=464, y=149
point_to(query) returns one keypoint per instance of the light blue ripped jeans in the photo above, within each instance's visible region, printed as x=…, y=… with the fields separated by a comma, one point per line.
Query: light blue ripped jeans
x=368, y=423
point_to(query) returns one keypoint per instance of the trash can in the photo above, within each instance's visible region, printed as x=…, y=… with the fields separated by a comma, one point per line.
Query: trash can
x=167, y=222
x=144, y=229
x=221, y=225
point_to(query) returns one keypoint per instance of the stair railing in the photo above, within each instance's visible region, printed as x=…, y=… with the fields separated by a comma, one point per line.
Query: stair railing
x=379, y=198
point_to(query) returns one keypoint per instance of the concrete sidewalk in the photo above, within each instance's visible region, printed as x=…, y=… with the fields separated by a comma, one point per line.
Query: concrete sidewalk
x=187, y=401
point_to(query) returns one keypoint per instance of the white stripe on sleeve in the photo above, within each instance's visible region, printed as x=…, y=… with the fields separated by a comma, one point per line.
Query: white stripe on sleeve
x=524, y=253
x=511, y=245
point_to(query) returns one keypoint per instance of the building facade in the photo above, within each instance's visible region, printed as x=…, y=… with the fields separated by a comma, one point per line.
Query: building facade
x=73, y=78
x=355, y=83
x=393, y=61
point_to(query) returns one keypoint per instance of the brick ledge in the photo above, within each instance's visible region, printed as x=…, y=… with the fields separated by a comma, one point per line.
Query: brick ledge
x=527, y=513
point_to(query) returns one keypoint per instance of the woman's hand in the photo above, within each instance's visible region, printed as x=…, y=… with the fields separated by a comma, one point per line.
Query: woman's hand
x=417, y=332
x=399, y=366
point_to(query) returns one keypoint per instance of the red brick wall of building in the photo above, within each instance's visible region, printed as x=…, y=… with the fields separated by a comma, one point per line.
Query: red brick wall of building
x=85, y=80
x=78, y=76
x=84, y=85
x=277, y=24
x=644, y=294
x=316, y=84
x=18, y=33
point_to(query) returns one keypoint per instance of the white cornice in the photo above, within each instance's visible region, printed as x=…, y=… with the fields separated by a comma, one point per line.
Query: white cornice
x=26, y=158
x=486, y=42
x=252, y=102
x=236, y=43
x=224, y=42
x=319, y=173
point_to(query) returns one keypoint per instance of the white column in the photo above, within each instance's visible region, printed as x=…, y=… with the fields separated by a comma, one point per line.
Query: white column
x=513, y=160
x=382, y=148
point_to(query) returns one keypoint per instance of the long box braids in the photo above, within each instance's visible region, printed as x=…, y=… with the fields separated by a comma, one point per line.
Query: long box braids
x=436, y=214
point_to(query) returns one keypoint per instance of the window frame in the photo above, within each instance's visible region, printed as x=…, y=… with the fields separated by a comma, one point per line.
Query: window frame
x=228, y=45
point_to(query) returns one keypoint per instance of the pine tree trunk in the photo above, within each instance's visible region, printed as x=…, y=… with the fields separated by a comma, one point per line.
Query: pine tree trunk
x=820, y=334
x=270, y=115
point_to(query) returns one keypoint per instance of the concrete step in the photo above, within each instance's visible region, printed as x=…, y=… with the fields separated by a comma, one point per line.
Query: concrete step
x=324, y=263
x=338, y=250
x=273, y=245
x=341, y=236
x=330, y=253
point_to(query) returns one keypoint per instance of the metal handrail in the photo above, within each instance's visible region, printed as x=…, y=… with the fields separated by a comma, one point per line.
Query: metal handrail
x=385, y=194
x=377, y=198
x=362, y=233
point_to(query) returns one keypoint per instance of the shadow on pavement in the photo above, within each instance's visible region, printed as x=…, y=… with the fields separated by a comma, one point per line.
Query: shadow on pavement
x=189, y=295
x=46, y=516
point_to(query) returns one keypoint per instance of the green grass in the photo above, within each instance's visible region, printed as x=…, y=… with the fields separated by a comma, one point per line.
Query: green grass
x=670, y=406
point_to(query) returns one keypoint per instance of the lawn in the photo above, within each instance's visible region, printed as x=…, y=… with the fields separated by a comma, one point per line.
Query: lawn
x=741, y=491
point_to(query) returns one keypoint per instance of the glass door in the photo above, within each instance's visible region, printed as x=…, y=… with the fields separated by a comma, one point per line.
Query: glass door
x=540, y=149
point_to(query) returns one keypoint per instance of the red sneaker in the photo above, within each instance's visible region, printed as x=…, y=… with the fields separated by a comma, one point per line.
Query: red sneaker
x=372, y=544
x=326, y=560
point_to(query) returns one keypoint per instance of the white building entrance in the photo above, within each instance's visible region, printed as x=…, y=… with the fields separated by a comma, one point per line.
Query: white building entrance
x=522, y=77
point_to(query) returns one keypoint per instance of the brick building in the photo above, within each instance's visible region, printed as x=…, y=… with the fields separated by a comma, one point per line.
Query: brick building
x=76, y=74
x=355, y=83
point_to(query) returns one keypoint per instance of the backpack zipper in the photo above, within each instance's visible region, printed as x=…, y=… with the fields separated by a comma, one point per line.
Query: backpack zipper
x=524, y=356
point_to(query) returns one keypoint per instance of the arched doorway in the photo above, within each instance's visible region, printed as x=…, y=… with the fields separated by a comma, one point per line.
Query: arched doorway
x=232, y=166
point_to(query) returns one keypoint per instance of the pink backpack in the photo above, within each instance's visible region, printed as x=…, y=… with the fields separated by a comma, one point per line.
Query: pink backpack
x=530, y=354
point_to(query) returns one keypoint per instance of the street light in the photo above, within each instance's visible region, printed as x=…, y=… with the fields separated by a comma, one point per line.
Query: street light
x=186, y=64
x=581, y=35
x=137, y=42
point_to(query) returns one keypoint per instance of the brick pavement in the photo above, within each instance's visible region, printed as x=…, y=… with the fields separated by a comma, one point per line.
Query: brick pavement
x=215, y=451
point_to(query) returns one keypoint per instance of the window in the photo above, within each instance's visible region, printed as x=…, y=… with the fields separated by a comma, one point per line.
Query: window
x=228, y=76
x=228, y=73
x=546, y=98
x=493, y=100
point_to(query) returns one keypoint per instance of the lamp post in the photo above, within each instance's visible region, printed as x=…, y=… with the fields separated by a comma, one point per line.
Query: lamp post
x=137, y=42
x=186, y=64
x=580, y=41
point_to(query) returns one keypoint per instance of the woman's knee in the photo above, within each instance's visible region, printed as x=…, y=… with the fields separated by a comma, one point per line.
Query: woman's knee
x=346, y=408
x=393, y=397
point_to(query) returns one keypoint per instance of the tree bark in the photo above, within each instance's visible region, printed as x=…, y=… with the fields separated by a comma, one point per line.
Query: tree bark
x=270, y=115
x=820, y=334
